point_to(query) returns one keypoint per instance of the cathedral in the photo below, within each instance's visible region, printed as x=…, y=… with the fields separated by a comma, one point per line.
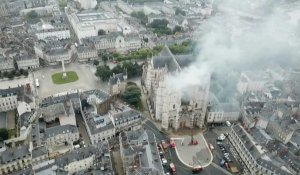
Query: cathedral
x=173, y=106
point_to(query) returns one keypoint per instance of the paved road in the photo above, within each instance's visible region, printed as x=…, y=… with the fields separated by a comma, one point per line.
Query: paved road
x=82, y=129
x=180, y=167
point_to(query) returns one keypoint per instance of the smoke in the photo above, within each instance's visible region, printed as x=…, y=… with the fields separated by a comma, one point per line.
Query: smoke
x=244, y=35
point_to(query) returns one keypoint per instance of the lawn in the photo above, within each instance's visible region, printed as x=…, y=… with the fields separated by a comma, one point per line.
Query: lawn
x=71, y=77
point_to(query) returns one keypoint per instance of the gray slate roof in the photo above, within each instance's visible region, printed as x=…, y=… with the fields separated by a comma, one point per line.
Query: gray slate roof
x=53, y=131
x=114, y=79
x=13, y=154
x=12, y=91
x=39, y=151
x=172, y=62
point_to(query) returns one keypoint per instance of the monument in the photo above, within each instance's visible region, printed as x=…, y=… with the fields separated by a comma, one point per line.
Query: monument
x=64, y=74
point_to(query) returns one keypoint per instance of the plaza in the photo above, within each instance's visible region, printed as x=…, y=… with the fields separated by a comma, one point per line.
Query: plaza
x=86, y=79
x=193, y=155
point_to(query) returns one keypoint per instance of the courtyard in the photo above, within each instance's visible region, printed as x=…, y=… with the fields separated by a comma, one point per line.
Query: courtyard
x=86, y=79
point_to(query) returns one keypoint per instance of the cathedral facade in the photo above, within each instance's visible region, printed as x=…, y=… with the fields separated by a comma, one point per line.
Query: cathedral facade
x=175, y=107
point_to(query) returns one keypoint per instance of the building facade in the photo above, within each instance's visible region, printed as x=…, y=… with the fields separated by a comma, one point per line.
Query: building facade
x=86, y=53
x=53, y=52
x=58, y=135
x=60, y=33
x=169, y=104
x=115, y=41
x=6, y=64
x=9, y=98
x=253, y=153
x=223, y=112
x=26, y=61
x=87, y=24
x=117, y=84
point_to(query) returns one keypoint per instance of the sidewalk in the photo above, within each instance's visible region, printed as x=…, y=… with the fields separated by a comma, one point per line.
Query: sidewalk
x=193, y=155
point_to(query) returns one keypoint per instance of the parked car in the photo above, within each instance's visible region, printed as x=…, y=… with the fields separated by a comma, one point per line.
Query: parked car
x=172, y=143
x=172, y=168
x=197, y=169
x=219, y=143
x=164, y=160
x=228, y=123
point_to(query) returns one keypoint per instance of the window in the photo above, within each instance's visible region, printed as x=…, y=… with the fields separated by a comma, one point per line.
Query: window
x=196, y=105
x=173, y=106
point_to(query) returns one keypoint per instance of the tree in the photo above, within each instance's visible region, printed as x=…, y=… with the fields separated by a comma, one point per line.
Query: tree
x=32, y=15
x=141, y=16
x=21, y=71
x=96, y=62
x=62, y=3
x=132, y=95
x=101, y=32
x=118, y=69
x=25, y=73
x=178, y=11
x=104, y=58
x=3, y=134
x=103, y=72
x=177, y=29
x=159, y=23
x=11, y=75
x=133, y=70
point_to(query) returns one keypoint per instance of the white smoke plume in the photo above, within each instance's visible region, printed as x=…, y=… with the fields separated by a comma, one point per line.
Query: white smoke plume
x=244, y=35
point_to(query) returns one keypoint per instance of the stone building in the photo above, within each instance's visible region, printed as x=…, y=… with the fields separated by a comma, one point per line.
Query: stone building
x=115, y=41
x=139, y=153
x=88, y=23
x=117, y=84
x=96, y=157
x=86, y=53
x=253, y=148
x=14, y=159
x=169, y=104
x=6, y=64
x=27, y=61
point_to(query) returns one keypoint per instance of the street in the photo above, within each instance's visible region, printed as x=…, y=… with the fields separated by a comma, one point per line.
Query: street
x=181, y=169
x=82, y=129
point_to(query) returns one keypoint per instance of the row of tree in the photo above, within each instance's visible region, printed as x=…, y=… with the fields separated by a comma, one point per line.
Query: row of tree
x=183, y=48
x=13, y=73
x=141, y=16
x=140, y=54
x=132, y=70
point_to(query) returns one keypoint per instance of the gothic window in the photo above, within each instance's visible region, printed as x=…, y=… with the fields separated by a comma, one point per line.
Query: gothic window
x=173, y=106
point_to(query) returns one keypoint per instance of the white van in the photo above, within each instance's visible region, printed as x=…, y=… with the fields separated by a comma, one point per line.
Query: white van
x=37, y=83
x=228, y=123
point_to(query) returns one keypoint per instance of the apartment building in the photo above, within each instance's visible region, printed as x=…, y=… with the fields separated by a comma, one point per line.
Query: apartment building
x=27, y=61
x=6, y=63
x=14, y=159
x=139, y=153
x=117, y=84
x=9, y=98
x=252, y=148
x=86, y=53
x=95, y=157
x=222, y=112
x=88, y=23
